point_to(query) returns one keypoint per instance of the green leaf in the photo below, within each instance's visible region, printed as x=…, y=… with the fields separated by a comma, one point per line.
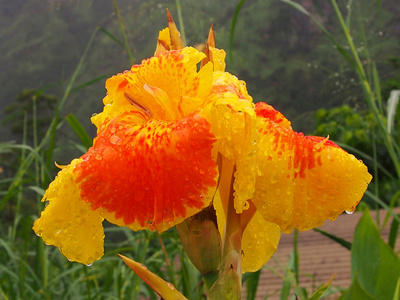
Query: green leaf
x=322, y=289
x=287, y=282
x=79, y=130
x=394, y=229
x=252, y=280
x=37, y=189
x=335, y=238
x=391, y=110
x=373, y=261
x=233, y=25
x=356, y=291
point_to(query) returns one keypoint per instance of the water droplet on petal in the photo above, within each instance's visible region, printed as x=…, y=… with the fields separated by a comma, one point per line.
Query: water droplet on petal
x=114, y=139
x=350, y=212
x=171, y=286
x=88, y=265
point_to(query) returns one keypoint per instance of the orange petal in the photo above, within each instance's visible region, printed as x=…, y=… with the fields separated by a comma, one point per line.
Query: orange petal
x=166, y=87
x=176, y=39
x=268, y=112
x=303, y=181
x=210, y=43
x=164, y=289
x=152, y=175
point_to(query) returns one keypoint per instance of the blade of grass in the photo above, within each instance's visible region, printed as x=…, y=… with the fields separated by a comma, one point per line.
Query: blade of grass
x=79, y=130
x=232, y=33
x=348, y=17
x=394, y=201
x=393, y=101
x=180, y=19
x=287, y=282
x=252, y=281
x=113, y=37
x=322, y=289
x=90, y=82
x=49, y=136
x=296, y=256
x=121, y=25
x=377, y=86
x=370, y=97
x=394, y=229
x=383, y=204
x=339, y=47
x=335, y=238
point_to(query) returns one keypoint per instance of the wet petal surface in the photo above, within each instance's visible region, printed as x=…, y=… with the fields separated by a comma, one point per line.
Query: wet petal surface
x=152, y=175
x=303, y=181
x=68, y=223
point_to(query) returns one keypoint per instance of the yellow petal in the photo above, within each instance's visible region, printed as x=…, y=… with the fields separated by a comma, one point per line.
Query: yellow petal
x=69, y=223
x=303, y=181
x=163, y=42
x=176, y=39
x=217, y=57
x=166, y=87
x=259, y=242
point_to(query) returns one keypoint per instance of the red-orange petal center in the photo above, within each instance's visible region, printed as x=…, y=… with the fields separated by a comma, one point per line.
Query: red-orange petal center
x=149, y=174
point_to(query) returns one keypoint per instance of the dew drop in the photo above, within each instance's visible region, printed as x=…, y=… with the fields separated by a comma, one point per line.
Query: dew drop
x=349, y=212
x=88, y=265
x=171, y=286
x=114, y=139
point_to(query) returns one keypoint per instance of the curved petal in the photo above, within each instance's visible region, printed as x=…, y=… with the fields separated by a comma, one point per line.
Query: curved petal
x=163, y=42
x=230, y=112
x=259, y=242
x=166, y=87
x=303, y=181
x=152, y=175
x=68, y=223
x=218, y=58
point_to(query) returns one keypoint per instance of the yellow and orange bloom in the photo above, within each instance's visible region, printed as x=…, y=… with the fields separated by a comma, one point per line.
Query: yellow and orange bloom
x=173, y=140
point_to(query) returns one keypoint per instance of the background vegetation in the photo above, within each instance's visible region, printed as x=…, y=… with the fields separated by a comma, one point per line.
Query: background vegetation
x=56, y=55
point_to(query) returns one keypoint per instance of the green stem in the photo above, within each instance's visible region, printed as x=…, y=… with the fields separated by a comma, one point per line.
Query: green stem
x=232, y=33
x=127, y=48
x=296, y=256
x=181, y=24
x=369, y=93
x=228, y=284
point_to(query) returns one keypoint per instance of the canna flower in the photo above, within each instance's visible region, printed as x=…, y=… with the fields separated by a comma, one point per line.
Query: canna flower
x=174, y=140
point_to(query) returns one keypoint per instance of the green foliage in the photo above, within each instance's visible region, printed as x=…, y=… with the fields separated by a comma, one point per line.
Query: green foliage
x=375, y=268
x=344, y=125
x=28, y=102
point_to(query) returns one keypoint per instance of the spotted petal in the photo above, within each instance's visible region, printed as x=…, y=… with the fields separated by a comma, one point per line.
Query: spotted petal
x=68, y=223
x=151, y=175
x=303, y=181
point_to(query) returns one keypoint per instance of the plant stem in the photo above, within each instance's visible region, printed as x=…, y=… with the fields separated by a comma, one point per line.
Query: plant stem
x=387, y=138
x=127, y=48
